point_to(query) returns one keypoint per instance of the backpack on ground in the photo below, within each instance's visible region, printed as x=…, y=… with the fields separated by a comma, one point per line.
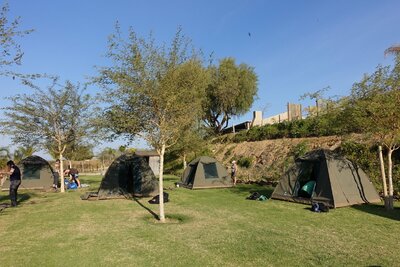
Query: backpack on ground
x=254, y=196
x=319, y=207
x=156, y=199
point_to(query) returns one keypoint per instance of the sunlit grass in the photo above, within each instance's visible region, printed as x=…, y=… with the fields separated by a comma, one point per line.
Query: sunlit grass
x=215, y=227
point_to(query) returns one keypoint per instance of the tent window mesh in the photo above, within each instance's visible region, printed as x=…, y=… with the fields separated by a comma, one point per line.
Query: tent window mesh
x=31, y=173
x=210, y=171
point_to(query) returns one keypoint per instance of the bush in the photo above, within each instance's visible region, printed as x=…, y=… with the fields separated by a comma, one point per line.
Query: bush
x=300, y=149
x=365, y=157
x=245, y=162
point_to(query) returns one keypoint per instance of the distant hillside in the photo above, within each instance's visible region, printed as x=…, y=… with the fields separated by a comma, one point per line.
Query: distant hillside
x=269, y=159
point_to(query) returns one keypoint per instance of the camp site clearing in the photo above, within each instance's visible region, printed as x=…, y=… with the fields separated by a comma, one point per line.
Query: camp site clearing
x=207, y=227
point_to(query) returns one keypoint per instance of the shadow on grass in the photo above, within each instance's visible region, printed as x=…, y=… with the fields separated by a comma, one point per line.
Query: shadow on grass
x=379, y=210
x=24, y=197
x=169, y=219
x=244, y=188
x=169, y=178
x=146, y=208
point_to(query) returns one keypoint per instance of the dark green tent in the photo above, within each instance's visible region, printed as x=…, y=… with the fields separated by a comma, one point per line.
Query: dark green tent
x=129, y=175
x=36, y=173
x=325, y=176
x=205, y=172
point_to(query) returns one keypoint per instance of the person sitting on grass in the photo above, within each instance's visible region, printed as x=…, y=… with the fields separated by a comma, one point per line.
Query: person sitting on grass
x=73, y=174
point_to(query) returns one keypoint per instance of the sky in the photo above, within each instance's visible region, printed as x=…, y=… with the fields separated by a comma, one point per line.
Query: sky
x=295, y=46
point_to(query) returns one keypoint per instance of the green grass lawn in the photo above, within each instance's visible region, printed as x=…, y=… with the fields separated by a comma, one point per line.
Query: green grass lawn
x=215, y=227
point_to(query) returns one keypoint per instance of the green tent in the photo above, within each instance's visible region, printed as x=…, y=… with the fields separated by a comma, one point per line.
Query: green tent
x=36, y=173
x=205, y=172
x=325, y=176
x=129, y=175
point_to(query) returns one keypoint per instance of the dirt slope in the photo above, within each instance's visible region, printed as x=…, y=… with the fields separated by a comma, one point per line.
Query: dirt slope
x=269, y=158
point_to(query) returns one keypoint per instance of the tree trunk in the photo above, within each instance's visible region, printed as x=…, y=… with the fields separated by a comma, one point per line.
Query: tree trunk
x=383, y=174
x=161, y=185
x=390, y=180
x=62, y=186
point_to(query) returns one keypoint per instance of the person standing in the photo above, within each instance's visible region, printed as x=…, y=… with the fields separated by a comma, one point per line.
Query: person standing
x=233, y=171
x=56, y=174
x=15, y=181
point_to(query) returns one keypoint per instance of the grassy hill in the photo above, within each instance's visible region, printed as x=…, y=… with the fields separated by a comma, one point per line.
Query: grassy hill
x=215, y=227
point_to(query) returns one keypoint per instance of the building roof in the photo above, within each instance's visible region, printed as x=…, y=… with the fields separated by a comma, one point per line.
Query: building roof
x=146, y=153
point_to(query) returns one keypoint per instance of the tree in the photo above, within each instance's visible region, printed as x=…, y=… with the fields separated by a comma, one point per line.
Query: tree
x=393, y=50
x=23, y=152
x=108, y=154
x=231, y=92
x=4, y=156
x=155, y=92
x=122, y=149
x=52, y=119
x=190, y=142
x=79, y=151
x=376, y=106
x=11, y=53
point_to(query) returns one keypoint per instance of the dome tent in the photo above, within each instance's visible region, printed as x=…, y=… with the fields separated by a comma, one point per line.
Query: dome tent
x=36, y=173
x=205, y=172
x=337, y=182
x=129, y=175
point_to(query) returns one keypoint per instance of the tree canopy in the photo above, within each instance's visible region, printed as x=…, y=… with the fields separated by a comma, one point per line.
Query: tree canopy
x=154, y=91
x=52, y=119
x=375, y=105
x=231, y=92
x=11, y=52
x=375, y=100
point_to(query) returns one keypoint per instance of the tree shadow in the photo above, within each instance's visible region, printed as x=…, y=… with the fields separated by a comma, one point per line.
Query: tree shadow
x=379, y=210
x=146, y=208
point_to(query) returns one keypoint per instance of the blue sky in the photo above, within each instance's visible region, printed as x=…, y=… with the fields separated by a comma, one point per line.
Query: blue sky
x=295, y=46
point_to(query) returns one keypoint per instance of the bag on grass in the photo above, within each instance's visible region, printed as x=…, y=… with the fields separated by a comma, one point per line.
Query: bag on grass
x=72, y=186
x=156, y=199
x=254, y=196
x=319, y=207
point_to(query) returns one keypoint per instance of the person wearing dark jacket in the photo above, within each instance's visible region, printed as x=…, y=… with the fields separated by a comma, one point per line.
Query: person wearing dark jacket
x=15, y=181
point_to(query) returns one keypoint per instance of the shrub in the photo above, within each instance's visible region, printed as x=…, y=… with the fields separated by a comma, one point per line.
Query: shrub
x=245, y=162
x=300, y=149
x=228, y=152
x=364, y=156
